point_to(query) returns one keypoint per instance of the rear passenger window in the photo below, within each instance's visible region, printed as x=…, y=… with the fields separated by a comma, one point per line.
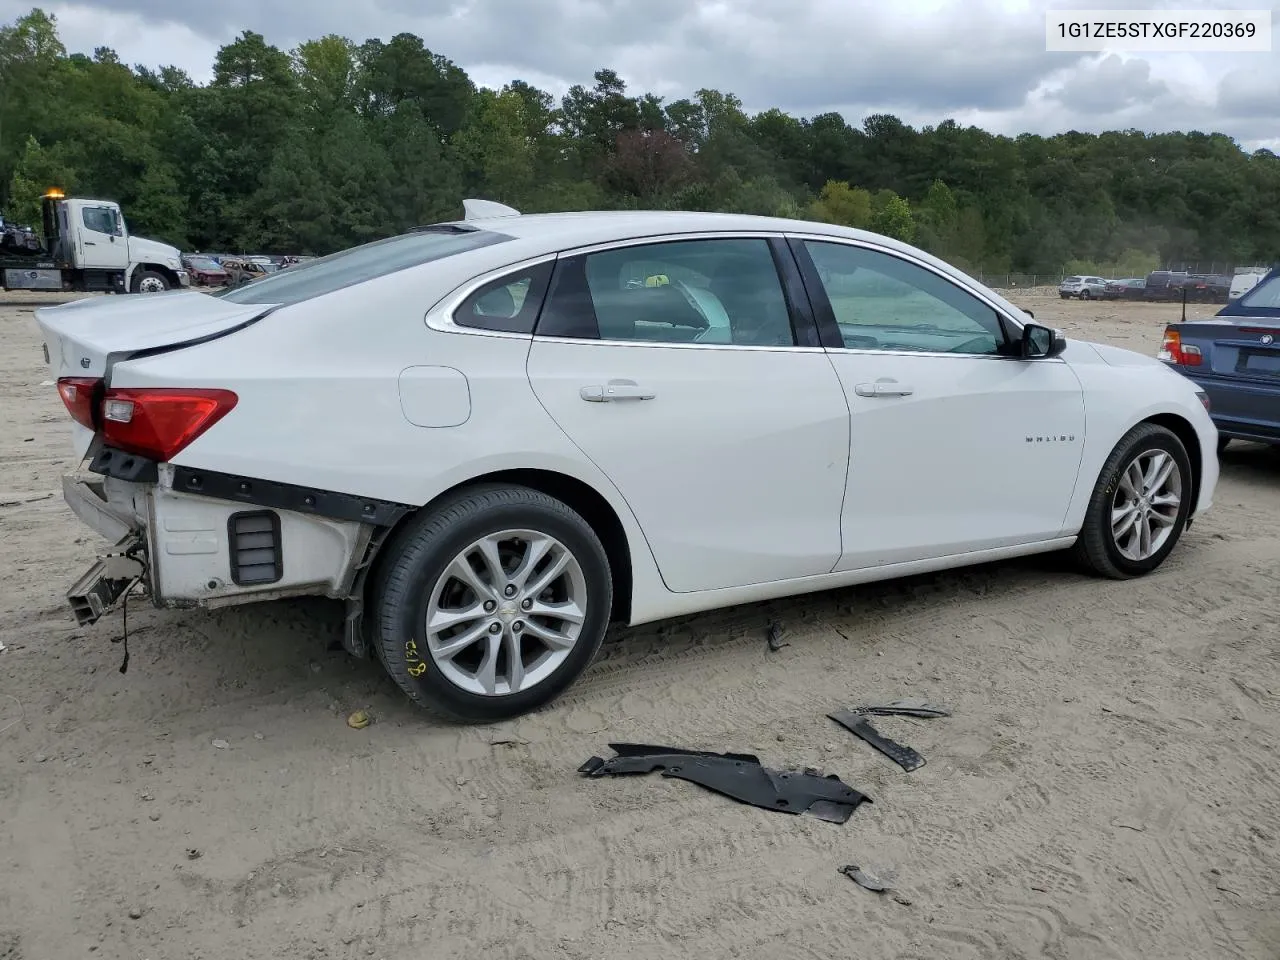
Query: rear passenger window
x=718, y=292
x=509, y=304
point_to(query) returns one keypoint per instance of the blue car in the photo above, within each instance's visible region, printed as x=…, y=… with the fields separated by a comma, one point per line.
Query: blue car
x=1235, y=358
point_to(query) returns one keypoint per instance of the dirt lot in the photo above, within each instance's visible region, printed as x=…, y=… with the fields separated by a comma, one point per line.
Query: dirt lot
x=1107, y=787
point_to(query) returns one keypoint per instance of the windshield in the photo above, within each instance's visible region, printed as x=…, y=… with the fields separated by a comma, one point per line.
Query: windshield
x=1265, y=295
x=317, y=277
x=204, y=263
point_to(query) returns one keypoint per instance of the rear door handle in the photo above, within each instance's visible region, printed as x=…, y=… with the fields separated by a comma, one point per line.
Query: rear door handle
x=615, y=390
x=883, y=389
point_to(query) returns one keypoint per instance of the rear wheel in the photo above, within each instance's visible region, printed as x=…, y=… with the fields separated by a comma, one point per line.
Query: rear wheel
x=1139, y=505
x=1085, y=295
x=148, y=281
x=493, y=604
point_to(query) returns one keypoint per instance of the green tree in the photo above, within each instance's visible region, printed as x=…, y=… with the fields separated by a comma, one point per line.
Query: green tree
x=840, y=203
x=894, y=219
x=335, y=142
x=494, y=148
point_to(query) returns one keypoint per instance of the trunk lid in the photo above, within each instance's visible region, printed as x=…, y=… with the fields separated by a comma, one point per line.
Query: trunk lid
x=87, y=337
x=1236, y=348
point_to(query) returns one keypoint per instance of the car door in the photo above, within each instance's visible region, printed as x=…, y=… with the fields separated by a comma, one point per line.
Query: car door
x=955, y=444
x=676, y=365
x=101, y=240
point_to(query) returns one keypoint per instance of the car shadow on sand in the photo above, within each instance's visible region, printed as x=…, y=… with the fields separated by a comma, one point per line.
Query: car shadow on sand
x=286, y=652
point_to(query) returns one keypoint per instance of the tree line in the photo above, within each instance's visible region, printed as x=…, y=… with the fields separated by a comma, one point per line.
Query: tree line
x=336, y=143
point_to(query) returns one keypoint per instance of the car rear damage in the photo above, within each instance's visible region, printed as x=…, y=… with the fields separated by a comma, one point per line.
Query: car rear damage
x=178, y=534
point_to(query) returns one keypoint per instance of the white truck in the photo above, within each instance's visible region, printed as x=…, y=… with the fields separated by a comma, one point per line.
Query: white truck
x=87, y=248
x=1245, y=279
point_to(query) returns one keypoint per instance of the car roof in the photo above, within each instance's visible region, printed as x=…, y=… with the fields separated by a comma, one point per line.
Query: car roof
x=584, y=227
x=528, y=237
x=536, y=234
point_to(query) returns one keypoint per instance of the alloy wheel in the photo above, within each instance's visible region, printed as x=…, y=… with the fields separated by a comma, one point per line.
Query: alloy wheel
x=506, y=613
x=1144, y=510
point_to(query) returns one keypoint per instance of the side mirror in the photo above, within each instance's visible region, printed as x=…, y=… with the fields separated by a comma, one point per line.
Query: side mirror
x=1042, y=342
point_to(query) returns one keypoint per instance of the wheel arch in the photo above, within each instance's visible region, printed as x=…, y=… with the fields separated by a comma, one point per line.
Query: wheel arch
x=572, y=492
x=1184, y=431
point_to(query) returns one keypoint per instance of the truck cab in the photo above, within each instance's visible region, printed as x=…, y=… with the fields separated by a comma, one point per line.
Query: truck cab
x=87, y=247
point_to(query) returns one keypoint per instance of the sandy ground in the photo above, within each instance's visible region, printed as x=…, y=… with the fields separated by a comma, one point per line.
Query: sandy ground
x=1107, y=787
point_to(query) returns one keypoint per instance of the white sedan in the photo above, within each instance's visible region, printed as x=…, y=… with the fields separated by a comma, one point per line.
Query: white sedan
x=493, y=437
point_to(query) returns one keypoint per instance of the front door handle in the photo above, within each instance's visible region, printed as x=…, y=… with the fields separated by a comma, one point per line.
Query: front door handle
x=883, y=388
x=91, y=243
x=615, y=390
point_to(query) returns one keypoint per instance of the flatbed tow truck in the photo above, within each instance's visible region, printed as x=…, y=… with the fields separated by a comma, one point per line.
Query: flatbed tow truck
x=86, y=248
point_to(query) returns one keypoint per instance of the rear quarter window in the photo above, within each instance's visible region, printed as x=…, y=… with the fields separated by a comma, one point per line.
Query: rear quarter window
x=354, y=265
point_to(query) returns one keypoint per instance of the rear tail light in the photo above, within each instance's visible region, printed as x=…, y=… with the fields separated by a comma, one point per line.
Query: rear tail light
x=1174, y=351
x=80, y=394
x=159, y=422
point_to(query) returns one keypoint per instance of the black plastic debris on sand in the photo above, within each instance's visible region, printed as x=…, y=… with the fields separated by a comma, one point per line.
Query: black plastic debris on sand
x=739, y=776
x=774, y=637
x=856, y=722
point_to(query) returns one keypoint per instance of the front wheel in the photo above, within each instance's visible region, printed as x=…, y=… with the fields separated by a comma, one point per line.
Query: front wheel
x=148, y=281
x=1139, y=506
x=492, y=604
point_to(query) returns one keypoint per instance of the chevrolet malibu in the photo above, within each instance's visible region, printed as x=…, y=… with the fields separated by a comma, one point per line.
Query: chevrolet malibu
x=493, y=437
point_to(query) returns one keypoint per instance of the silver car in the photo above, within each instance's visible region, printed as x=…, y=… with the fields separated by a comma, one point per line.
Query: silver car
x=1086, y=288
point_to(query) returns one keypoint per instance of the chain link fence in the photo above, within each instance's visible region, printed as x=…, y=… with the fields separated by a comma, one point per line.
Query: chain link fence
x=1007, y=280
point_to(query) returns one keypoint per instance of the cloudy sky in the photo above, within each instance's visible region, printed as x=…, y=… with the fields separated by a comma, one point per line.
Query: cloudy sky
x=977, y=61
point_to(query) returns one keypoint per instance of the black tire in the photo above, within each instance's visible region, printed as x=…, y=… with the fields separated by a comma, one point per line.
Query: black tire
x=1065, y=296
x=149, y=278
x=1096, y=548
x=416, y=562
x=1085, y=295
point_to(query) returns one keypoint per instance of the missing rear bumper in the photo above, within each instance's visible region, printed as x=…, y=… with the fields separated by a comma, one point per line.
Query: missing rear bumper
x=106, y=583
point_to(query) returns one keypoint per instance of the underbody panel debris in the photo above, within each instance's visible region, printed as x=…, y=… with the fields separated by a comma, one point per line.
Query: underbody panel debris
x=739, y=776
x=856, y=722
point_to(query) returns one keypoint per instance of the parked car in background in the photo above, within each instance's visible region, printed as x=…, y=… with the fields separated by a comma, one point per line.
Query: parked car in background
x=1130, y=289
x=1085, y=288
x=241, y=270
x=1242, y=283
x=1235, y=358
x=205, y=271
x=552, y=447
x=1207, y=288
x=1164, y=285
